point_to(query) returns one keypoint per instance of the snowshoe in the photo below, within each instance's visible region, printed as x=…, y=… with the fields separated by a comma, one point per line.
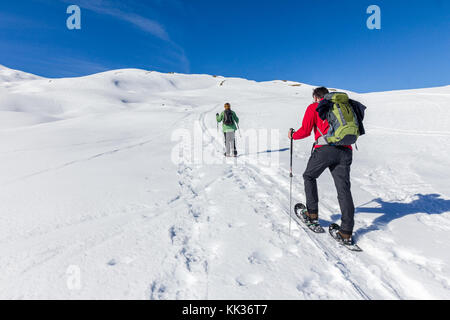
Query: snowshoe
x=347, y=243
x=314, y=225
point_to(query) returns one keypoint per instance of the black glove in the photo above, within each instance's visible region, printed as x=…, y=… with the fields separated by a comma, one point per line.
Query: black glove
x=292, y=131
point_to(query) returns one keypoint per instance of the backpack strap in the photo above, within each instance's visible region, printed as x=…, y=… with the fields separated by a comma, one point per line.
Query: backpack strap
x=344, y=123
x=322, y=141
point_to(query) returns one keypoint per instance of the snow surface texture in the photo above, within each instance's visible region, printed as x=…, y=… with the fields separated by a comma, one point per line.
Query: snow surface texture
x=93, y=207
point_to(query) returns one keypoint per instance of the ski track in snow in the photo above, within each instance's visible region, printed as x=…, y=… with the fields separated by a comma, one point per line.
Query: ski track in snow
x=191, y=266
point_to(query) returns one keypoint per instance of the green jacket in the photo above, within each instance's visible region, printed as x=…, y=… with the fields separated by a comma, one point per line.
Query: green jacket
x=231, y=127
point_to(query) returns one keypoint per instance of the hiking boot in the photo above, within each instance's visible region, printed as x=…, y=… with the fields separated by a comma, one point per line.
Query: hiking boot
x=310, y=219
x=311, y=216
x=343, y=238
x=301, y=212
x=346, y=239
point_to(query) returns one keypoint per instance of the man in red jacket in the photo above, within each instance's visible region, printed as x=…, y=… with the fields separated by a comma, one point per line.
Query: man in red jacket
x=336, y=158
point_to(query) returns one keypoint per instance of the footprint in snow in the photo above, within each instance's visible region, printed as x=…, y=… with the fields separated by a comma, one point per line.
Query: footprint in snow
x=292, y=249
x=249, y=279
x=125, y=260
x=112, y=262
x=267, y=254
x=265, y=225
x=237, y=224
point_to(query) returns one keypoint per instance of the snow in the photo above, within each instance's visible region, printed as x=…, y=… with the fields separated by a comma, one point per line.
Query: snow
x=91, y=195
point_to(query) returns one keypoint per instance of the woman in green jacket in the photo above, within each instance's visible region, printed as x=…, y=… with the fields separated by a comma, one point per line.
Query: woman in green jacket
x=230, y=121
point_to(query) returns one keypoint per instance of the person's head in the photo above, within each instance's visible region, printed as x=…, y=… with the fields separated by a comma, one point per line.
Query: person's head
x=227, y=106
x=319, y=93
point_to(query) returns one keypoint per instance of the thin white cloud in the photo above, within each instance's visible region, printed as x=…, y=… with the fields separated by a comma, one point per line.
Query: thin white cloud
x=112, y=9
x=146, y=25
x=117, y=9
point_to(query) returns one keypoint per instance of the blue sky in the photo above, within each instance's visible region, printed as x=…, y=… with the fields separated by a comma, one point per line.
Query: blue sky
x=320, y=42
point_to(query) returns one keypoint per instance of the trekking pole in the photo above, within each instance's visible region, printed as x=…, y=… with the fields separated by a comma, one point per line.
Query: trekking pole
x=239, y=130
x=291, y=176
x=217, y=123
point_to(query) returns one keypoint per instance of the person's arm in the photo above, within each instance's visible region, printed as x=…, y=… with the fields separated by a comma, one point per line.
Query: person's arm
x=307, y=124
x=219, y=118
x=235, y=117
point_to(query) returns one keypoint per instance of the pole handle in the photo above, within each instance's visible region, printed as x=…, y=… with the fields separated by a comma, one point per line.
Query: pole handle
x=292, y=147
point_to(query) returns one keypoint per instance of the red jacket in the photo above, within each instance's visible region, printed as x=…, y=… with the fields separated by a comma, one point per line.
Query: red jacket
x=312, y=121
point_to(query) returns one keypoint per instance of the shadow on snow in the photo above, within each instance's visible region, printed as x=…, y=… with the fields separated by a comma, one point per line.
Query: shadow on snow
x=425, y=203
x=266, y=151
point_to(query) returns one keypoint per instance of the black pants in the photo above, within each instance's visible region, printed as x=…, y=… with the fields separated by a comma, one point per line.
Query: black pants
x=338, y=160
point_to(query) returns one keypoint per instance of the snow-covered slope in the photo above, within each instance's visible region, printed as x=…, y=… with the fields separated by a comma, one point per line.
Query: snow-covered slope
x=94, y=207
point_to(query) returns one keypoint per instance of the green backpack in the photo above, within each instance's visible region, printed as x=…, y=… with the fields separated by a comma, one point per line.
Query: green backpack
x=344, y=127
